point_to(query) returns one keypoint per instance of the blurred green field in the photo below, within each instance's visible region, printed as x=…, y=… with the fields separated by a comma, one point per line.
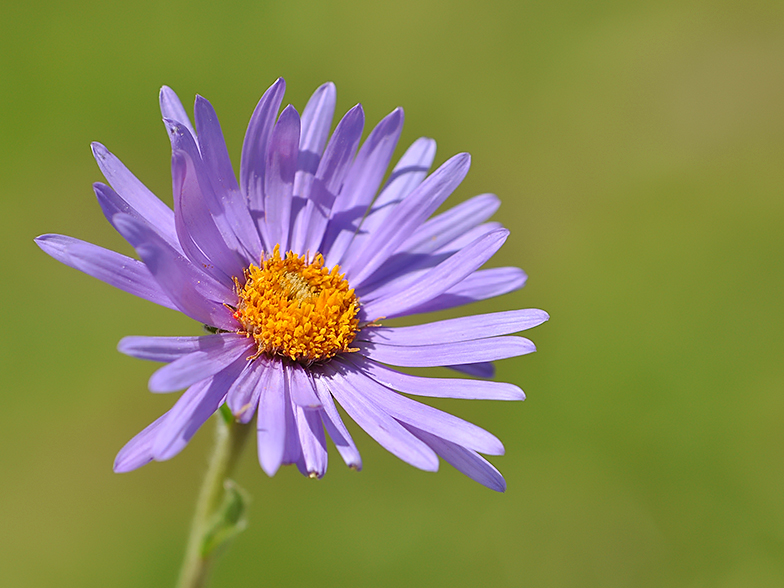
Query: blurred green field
x=638, y=149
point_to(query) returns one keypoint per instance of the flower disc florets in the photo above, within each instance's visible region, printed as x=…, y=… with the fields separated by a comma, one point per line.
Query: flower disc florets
x=297, y=309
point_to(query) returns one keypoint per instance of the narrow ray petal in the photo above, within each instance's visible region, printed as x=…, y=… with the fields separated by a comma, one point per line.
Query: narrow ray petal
x=120, y=271
x=465, y=328
x=195, y=293
x=335, y=427
x=405, y=177
x=480, y=285
x=112, y=203
x=425, y=417
x=437, y=387
x=229, y=199
x=271, y=422
x=361, y=185
x=243, y=395
x=133, y=191
x=484, y=369
x=313, y=442
x=439, y=279
x=378, y=424
x=192, y=410
x=215, y=354
x=444, y=354
x=171, y=108
x=329, y=178
x=279, y=179
x=301, y=387
x=138, y=451
x=463, y=460
x=408, y=216
x=254, y=147
x=165, y=349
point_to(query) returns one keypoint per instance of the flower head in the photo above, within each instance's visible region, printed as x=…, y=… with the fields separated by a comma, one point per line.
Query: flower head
x=294, y=269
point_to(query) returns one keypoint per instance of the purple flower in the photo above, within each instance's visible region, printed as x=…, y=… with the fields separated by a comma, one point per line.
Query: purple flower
x=295, y=269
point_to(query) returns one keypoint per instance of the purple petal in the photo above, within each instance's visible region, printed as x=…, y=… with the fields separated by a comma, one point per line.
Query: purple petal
x=464, y=460
x=408, y=216
x=441, y=229
x=254, y=147
x=138, y=451
x=192, y=410
x=243, y=395
x=480, y=285
x=312, y=441
x=112, y=203
x=271, y=420
x=377, y=423
x=439, y=279
x=216, y=353
x=404, y=269
x=464, y=328
x=316, y=122
x=194, y=292
x=135, y=194
x=172, y=108
x=165, y=349
x=443, y=354
x=229, y=199
x=125, y=273
x=335, y=427
x=425, y=417
x=282, y=156
x=405, y=177
x=301, y=387
x=201, y=238
x=331, y=171
x=361, y=185
x=437, y=387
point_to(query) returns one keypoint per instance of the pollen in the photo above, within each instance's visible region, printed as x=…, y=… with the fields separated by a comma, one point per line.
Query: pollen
x=297, y=308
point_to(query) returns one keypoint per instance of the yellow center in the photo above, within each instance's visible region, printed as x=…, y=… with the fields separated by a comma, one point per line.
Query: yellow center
x=297, y=309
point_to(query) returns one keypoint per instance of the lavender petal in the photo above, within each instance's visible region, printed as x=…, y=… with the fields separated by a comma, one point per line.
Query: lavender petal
x=463, y=460
x=329, y=178
x=465, y=328
x=254, y=147
x=425, y=417
x=229, y=200
x=444, y=354
x=378, y=424
x=437, y=387
x=216, y=353
x=192, y=410
x=480, y=285
x=279, y=179
x=439, y=279
x=271, y=421
x=135, y=194
x=335, y=427
x=125, y=273
x=164, y=349
x=172, y=108
x=408, y=216
x=361, y=185
x=138, y=451
x=193, y=292
x=243, y=395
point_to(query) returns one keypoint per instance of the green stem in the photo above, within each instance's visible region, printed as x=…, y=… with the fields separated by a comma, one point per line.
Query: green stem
x=230, y=437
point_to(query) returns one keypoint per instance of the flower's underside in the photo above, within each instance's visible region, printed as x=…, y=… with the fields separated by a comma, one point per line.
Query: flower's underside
x=290, y=266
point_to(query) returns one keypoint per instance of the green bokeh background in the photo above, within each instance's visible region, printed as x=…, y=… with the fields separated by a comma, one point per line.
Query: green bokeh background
x=638, y=149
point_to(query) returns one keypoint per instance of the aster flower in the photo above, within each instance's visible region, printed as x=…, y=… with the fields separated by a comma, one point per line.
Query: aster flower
x=294, y=270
